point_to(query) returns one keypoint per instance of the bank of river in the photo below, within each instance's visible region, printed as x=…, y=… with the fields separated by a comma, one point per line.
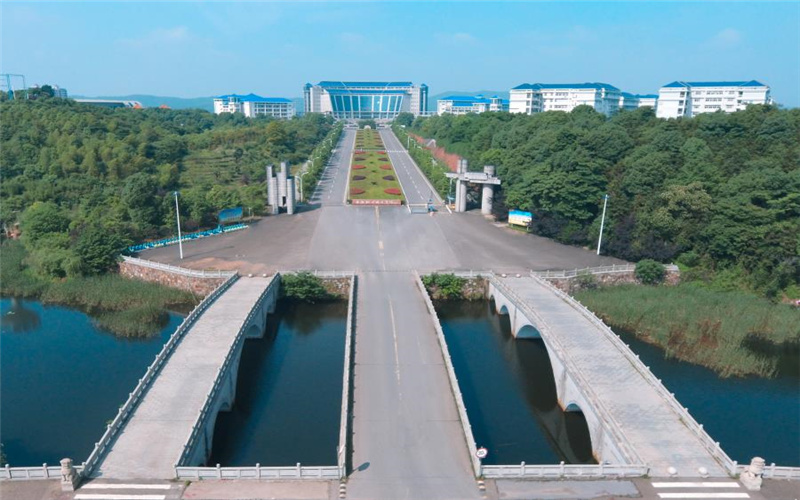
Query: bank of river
x=63, y=379
x=289, y=391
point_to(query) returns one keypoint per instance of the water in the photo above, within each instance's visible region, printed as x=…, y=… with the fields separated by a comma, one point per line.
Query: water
x=63, y=379
x=509, y=390
x=289, y=391
x=749, y=416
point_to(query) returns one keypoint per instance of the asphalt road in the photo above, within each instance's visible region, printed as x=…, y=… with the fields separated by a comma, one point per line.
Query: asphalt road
x=415, y=185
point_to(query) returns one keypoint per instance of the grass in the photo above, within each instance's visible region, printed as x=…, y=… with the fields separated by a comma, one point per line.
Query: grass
x=122, y=306
x=374, y=185
x=699, y=325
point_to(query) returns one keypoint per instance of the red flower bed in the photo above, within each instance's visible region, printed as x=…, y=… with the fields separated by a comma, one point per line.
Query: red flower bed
x=359, y=177
x=388, y=177
x=356, y=191
x=359, y=167
x=386, y=167
x=359, y=152
x=393, y=191
x=381, y=152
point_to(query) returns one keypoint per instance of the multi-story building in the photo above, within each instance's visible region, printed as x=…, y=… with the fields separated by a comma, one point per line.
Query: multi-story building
x=59, y=92
x=366, y=100
x=687, y=99
x=252, y=105
x=629, y=102
x=538, y=97
x=463, y=104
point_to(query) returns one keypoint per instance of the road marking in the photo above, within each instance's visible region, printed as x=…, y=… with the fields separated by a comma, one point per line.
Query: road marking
x=396, y=350
x=380, y=244
x=117, y=486
x=728, y=484
x=703, y=495
x=103, y=496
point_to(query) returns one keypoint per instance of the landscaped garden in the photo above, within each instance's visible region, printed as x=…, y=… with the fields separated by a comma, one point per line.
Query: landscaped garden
x=371, y=174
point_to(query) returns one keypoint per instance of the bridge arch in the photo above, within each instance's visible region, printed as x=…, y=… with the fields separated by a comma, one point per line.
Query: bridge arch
x=528, y=331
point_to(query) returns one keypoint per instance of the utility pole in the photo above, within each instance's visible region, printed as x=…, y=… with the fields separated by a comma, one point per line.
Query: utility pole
x=602, y=223
x=178, y=216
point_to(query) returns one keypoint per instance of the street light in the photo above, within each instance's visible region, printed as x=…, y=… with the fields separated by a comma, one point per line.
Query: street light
x=301, y=185
x=178, y=217
x=602, y=223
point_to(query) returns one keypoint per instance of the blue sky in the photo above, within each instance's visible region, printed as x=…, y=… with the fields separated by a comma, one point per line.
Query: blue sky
x=191, y=49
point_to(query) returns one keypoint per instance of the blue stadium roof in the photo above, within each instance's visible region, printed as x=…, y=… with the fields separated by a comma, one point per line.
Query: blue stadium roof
x=640, y=96
x=588, y=85
x=255, y=98
x=751, y=83
x=327, y=84
x=471, y=99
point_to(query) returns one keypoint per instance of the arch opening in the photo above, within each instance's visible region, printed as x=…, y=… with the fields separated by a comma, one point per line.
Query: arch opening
x=578, y=434
x=528, y=332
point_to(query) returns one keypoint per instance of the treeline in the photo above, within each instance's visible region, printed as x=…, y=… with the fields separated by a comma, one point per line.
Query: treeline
x=719, y=193
x=83, y=182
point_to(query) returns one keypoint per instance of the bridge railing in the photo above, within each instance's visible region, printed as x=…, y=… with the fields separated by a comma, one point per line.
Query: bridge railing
x=42, y=472
x=257, y=472
x=612, y=426
x=564, y=471
x=614, y=268
x=773, y=471
x=344, y=422
x=713, y=447
x=152, y=371
x=451, y=374
x=199, y=425
x=178, y=270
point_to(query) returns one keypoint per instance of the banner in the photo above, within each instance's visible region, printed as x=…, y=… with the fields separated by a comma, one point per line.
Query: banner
x=519, y=218
x=230, y=215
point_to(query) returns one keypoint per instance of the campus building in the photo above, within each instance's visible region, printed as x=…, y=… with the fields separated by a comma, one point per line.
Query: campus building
x=463, y=104
x=252, y=105
x=687, y=99
x=111, y=103
x=365, y=100
x=629, y=102
x=532, y=98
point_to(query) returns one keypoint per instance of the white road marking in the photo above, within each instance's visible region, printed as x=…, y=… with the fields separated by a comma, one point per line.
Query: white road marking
x=104, y=496
x=703, y=495
x=728, y=484
x=396, y=350
x=117, y=486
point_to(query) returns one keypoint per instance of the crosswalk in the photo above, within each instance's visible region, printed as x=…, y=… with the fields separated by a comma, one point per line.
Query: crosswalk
x=96, y=490
x=700, y=489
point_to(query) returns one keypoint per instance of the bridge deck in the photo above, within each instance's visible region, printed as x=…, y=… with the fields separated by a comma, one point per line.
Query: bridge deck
x=151, y=443
x=407, y=438
x=654, y=430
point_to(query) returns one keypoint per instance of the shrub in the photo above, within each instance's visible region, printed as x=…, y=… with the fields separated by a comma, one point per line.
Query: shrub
x=586, y=281
x=386, y=167
x=359, y=177
x=394, y=191
x=388, y=177
x=649, y=272
x=444, y=286
x=303, y=286
x=356, y=191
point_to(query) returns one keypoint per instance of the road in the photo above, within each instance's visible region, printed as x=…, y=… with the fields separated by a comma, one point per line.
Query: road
x=417, y=188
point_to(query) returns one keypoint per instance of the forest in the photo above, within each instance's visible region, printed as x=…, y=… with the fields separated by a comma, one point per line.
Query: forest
x=84, y=182
x=719, y=194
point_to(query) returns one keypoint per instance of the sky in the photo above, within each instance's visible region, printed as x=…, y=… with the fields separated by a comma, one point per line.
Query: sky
x=193, y=49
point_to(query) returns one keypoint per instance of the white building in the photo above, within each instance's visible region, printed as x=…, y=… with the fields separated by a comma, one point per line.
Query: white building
x=59, y=92
x=366, y=100
x=252, y=105
x=463, y=104
x=687, y=99
x=629, y=102
x=538, y=97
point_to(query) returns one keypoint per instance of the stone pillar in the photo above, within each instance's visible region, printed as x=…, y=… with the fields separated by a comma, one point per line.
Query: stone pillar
x=273, y=188
x=290, y=205
x=69, y=477
x=282, y=175
x=462, y=190
x=751, y=477
x=486, y=199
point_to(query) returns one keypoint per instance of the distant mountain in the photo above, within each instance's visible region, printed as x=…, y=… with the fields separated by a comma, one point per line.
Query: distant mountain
x=154, y=101
x=502, y=94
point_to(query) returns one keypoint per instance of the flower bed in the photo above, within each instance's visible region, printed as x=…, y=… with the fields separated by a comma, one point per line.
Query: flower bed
x=388, y=177
x=356, y=191
x=359, y=167
x=394, y=191
x=386, y=167
x=372, y=172
x=359, y=177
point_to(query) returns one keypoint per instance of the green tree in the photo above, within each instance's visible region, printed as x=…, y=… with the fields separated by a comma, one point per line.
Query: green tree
x=98, y=249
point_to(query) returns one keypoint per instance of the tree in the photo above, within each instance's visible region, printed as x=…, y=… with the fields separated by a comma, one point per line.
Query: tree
x=404, y=119
x=41, y=220
x=98, y=249
x=649, y=272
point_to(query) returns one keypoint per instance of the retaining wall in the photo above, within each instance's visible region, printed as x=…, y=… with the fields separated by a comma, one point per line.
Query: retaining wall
x=198, y=284
x=572, y=284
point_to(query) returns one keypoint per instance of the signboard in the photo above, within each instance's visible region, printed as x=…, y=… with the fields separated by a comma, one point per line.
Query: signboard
x=230, y=215
x=519, y=218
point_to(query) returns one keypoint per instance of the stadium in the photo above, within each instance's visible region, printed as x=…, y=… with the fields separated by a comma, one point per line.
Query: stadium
x=366, y=100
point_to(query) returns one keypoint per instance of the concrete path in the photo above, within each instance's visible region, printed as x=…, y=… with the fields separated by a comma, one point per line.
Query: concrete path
x=407, y=438
x=150, y=444
x=655, y=431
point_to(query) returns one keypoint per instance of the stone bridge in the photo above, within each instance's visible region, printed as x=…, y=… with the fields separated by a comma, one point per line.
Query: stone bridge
x=173, y=423
x=632, y=419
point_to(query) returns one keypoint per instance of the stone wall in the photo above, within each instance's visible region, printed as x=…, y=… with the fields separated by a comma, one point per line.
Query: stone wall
x=197, y=285
x=340, y=287
x=573, y=284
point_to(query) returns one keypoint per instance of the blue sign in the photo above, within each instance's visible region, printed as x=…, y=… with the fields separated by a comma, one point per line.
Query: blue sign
x=230, y=215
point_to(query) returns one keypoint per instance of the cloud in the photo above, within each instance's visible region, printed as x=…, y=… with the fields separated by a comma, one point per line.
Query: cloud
x=455, y=38
x=725, y=39
x=158, y=38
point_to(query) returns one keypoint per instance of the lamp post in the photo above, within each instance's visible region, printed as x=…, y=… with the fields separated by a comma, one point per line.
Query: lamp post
x=602, y=223
x=178, y=217
x=301, y=185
